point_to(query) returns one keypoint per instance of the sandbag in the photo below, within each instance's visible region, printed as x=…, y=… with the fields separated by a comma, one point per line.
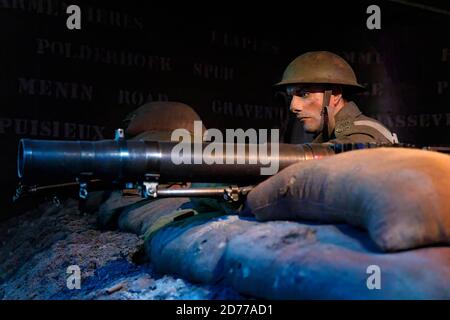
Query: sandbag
x=193, y=248
x=143, y=216
x=111, y=208
x=289, y=260
x=213, y=204
x=401, y=196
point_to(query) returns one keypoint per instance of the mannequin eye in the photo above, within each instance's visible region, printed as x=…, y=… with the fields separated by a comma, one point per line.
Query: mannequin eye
x=303, y=94
x=298, y=92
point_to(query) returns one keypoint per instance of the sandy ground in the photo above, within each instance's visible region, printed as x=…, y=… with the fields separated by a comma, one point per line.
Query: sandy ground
x=38, y=246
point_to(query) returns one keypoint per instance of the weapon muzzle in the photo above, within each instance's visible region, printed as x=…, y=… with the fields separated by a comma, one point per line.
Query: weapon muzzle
x=110, y=160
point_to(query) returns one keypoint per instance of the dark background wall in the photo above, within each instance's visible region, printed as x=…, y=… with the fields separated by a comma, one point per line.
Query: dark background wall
x=221, y=58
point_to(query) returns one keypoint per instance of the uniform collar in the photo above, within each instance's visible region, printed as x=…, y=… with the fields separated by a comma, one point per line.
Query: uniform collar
x=349, y=110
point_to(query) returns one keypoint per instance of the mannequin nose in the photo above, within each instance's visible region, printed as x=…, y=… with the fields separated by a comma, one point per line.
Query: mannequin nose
x=296, y=105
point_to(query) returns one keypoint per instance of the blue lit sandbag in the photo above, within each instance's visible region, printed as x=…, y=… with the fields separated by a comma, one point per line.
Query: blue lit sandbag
x=290, y=260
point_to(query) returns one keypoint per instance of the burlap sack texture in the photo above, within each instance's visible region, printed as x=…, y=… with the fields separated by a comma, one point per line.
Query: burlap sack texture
x=150, y=215
x=401, y=196
x=110, y=209
x=289, y=260
x=145, y=216
x=292, y=260
x=137, y=215
x=194, y=248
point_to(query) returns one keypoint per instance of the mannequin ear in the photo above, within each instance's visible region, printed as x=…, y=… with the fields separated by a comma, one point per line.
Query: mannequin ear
x=334, y=100
x=336, y=97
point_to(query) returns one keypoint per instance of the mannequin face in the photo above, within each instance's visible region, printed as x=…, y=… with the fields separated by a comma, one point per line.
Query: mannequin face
x=306, y=103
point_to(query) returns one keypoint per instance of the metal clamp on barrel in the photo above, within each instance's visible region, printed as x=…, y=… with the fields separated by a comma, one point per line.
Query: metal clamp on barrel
x=149, y=188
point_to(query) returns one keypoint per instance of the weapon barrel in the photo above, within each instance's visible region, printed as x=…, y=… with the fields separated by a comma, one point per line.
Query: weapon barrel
x=132, y=160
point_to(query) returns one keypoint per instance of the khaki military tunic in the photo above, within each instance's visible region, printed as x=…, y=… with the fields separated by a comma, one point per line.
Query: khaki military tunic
x=351, y=126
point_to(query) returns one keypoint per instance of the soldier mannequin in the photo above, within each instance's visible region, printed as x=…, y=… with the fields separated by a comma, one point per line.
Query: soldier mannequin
x=317, y=83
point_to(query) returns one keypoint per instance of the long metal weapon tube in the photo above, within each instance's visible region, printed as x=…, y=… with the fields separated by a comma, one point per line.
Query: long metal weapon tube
x=130, y=160
x=149, y=163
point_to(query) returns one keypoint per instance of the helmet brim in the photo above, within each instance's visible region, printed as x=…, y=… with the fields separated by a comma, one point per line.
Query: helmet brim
x=354, y=86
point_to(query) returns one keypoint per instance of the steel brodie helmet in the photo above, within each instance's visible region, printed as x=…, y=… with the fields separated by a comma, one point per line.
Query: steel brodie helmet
x=320, y=67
